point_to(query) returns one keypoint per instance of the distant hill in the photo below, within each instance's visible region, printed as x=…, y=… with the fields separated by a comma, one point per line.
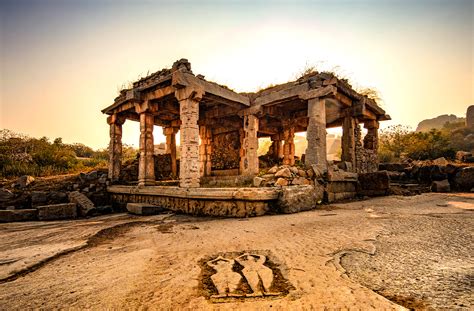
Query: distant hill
x=438, y=122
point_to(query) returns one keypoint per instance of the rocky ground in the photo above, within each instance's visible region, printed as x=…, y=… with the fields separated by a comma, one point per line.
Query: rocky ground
x=416, y=251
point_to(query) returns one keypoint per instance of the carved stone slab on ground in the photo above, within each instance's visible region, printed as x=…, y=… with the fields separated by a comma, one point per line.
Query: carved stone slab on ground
x=236, y=275
x=83, y=202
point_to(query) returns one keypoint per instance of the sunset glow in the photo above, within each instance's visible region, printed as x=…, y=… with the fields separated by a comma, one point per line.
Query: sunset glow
x=62, y=62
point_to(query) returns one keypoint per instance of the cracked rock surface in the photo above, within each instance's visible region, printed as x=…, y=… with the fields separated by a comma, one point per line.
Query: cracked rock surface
x=129, y=262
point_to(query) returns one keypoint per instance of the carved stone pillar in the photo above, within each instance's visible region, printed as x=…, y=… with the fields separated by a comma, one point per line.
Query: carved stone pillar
x=316, y=134
x=189, y=171
x=146, y=164
x=249, y=147
x=289, y=145
x=372, y=137
x=170, y=133
x=348, y=140
x=205, y=150
x=115, y=146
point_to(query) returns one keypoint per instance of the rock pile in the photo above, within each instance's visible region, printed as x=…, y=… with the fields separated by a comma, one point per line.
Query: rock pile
x=284, y=175
x=438, y=175
x=55, y=198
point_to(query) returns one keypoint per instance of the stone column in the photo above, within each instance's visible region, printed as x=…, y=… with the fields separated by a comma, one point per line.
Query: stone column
x=372, y=137
x=249, y=147
x=189, y=172
x=277, y=148
x=316, y=134
x=205, y=150
x=289, y=145
x=348, y=140
x=115, y=146
x=146, y=164
x=170, y=133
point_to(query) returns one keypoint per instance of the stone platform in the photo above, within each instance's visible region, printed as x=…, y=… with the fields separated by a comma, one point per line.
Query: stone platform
x=229, y=202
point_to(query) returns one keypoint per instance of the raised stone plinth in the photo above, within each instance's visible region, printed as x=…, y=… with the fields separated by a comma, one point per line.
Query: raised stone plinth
x=57, y=211
x=229, y=202
x=18, y=215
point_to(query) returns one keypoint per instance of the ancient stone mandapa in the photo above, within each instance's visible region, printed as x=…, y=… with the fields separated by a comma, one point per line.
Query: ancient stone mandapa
x=219, y=128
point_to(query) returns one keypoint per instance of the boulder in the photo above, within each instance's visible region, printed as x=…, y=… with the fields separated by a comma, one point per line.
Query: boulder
x=299, y=198
x=257, y=181
x=273, y=170
x=299, y=181
x=440, y=161
x=294, y=170
x=285, y=172
x=18, y=215
x=92, y=175
x=83, y=202
x=440, y=186
x=57, y=211
x=281, y=182
x=374, y=184
x=23, y=181
x=302, y=173
x=464, y=179
x=463, y=155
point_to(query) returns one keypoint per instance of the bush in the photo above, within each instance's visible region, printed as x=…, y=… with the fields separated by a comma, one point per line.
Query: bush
x=22, y=155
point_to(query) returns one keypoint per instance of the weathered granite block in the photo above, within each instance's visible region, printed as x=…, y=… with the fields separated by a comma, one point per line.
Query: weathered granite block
x=144, y=209
x=57, y=211
x=18, y=215
x=299, y=198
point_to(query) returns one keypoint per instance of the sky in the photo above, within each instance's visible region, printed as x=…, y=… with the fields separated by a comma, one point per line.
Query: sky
x=61, y=62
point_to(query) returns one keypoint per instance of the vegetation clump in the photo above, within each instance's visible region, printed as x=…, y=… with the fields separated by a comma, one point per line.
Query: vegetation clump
x=23, y=155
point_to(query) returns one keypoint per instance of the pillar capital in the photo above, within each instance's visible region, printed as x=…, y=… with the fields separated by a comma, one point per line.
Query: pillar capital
x=189, y=93
x=116, y=119
x=145, y=107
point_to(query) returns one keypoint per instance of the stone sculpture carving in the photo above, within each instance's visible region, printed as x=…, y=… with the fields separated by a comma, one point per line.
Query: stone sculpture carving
x=225, y=280
x=255, y=273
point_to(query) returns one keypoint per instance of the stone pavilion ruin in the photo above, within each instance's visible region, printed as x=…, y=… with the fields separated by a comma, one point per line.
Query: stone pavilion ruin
x=215, y=122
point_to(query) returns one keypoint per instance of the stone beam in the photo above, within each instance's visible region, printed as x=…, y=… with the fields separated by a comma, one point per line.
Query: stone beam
x=189, y=172
x=316, y=134
x=282, y=95
x=319, y=92
x=115, y=146
x=182, y=79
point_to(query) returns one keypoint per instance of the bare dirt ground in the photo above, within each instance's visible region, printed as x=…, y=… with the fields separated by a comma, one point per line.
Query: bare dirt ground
x=416, y=251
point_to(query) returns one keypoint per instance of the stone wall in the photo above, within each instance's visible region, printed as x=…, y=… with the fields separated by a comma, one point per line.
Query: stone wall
x=225, y=151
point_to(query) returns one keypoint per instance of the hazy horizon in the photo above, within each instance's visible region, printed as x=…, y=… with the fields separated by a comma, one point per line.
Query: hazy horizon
x=61, y=62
